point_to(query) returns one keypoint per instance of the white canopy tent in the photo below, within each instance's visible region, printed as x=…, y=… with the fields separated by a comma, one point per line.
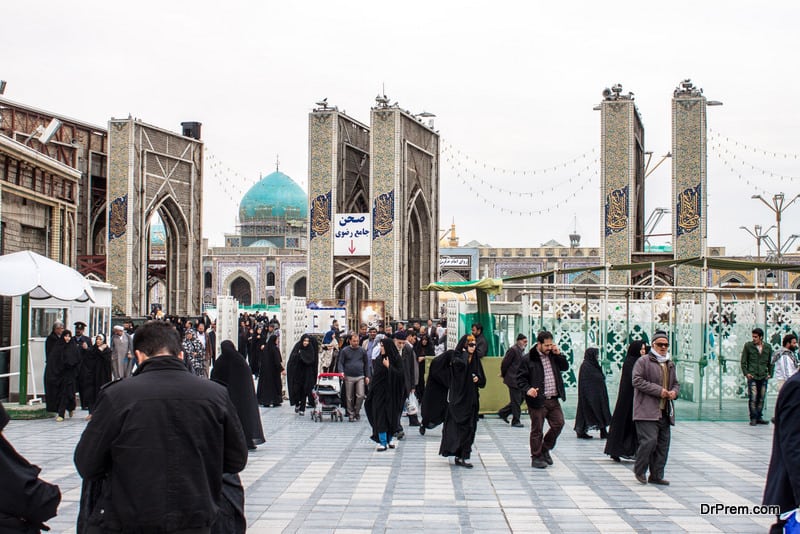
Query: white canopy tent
x=33, y=276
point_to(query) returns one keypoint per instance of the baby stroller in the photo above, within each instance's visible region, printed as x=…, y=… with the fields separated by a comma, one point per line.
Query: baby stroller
x=327, y=395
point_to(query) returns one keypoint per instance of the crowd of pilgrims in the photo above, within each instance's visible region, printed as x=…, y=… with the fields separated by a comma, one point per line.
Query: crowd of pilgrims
x=449, y=394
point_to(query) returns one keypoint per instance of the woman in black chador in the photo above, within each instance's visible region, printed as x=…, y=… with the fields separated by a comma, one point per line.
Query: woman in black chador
x=301, y=373
x=461, y=421
x=592, y=409
x=622, y=441
x=232, y=370
x=270, y=390
x=97, y=370
x=423, y=348
x=66, y=373
x=253, y=342
x=387, y=393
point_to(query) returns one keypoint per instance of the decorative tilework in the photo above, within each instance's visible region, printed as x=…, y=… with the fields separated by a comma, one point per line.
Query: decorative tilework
x=385, y=172
x=688, y=211
x=689, y=186
x=618, y=180
x=251, y=272
x=321, y=182
x=616, y=211
x=320, y=215
x=118, y=217
x=383, y=215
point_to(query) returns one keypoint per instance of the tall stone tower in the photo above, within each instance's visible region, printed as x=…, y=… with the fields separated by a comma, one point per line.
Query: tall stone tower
x=405, y=211
x=338, y=172
x=622, y=181
x=153, y=171
x=689, y=192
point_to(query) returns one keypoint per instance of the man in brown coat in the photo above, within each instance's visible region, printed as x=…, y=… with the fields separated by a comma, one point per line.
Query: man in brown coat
x=655, y=386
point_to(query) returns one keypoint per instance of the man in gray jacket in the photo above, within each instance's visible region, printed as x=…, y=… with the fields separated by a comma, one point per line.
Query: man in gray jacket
x=655, y=386
x=354, y=363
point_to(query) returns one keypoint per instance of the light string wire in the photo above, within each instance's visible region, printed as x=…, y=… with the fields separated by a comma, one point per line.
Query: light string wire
x=750, y=148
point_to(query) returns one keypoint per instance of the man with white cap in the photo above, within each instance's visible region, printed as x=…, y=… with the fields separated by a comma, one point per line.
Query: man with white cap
x=120, y=353
x=655, y=386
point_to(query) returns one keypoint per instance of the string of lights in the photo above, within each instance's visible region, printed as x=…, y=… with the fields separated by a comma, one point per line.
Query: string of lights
x=451, y=153
x=713, y=134
x=755, y=168
x=738, y=173
x=552, y=204
x=491, y=183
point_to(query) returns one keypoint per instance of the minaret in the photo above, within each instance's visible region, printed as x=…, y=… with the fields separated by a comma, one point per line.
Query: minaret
x=622, y=180
x=689, y=191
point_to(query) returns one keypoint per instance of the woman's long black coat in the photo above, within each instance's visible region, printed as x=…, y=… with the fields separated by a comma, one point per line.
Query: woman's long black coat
x=270, y=388
x=463, y=405
x=96, y=366
x=301, y=370
x=232, y=370
x=592, y=411
x=387, y=392
x=622, y=440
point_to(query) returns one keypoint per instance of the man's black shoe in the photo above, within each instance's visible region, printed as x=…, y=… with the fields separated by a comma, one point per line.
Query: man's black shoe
x=538, y=463
x=546, y=456
x=761, y=422
x=641, y=479
x=658, y=481
x=400, y=435
x=503, y=417
x=422, y=429
x=584, y=435
x=517, y=424
x=753, y=422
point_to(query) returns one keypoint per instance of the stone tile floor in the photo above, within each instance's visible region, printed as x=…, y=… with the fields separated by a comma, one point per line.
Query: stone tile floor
x=327, y=478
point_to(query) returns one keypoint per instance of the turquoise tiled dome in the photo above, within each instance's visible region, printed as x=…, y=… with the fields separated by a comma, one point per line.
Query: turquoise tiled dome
x=275, y=195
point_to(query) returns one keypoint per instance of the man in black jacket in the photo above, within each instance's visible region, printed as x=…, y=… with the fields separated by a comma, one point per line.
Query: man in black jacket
x=509, y=369
x=783, y=478
x=540, y=379
x=159, y=444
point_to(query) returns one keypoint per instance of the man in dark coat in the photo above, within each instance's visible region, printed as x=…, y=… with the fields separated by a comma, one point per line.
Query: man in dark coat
x=540, y=379
x=783, y=478
x=165, y=430
x=26, y=501
x=592, y=411
x=233, y=372
x=509, y=369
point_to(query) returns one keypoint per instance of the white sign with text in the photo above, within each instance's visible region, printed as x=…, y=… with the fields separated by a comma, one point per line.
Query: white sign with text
x=352, y=234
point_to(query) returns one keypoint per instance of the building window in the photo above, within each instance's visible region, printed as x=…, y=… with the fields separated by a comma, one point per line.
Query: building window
x=270, y=279
x=207, y=281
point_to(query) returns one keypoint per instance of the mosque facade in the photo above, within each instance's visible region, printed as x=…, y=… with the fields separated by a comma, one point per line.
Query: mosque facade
x=265, y=258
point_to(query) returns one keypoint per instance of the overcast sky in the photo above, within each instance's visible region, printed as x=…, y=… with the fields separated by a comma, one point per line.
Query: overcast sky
x=512, y=86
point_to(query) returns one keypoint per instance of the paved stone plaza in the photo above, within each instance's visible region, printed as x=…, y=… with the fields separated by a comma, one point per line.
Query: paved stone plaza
x=327, y=477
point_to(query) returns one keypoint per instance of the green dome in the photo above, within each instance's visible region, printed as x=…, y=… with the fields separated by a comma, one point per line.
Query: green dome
x=275, y=195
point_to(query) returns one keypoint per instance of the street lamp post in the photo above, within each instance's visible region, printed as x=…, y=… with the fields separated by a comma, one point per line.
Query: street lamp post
x=759, y=236
x=778, y=206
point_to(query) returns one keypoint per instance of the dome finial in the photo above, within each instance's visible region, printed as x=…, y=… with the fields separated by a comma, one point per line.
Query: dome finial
x=277, y=163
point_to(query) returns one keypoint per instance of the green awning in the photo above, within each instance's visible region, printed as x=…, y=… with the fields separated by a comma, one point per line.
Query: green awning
x=491, y=286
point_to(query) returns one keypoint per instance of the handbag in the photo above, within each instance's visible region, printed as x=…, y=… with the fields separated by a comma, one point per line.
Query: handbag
x=412, y=408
